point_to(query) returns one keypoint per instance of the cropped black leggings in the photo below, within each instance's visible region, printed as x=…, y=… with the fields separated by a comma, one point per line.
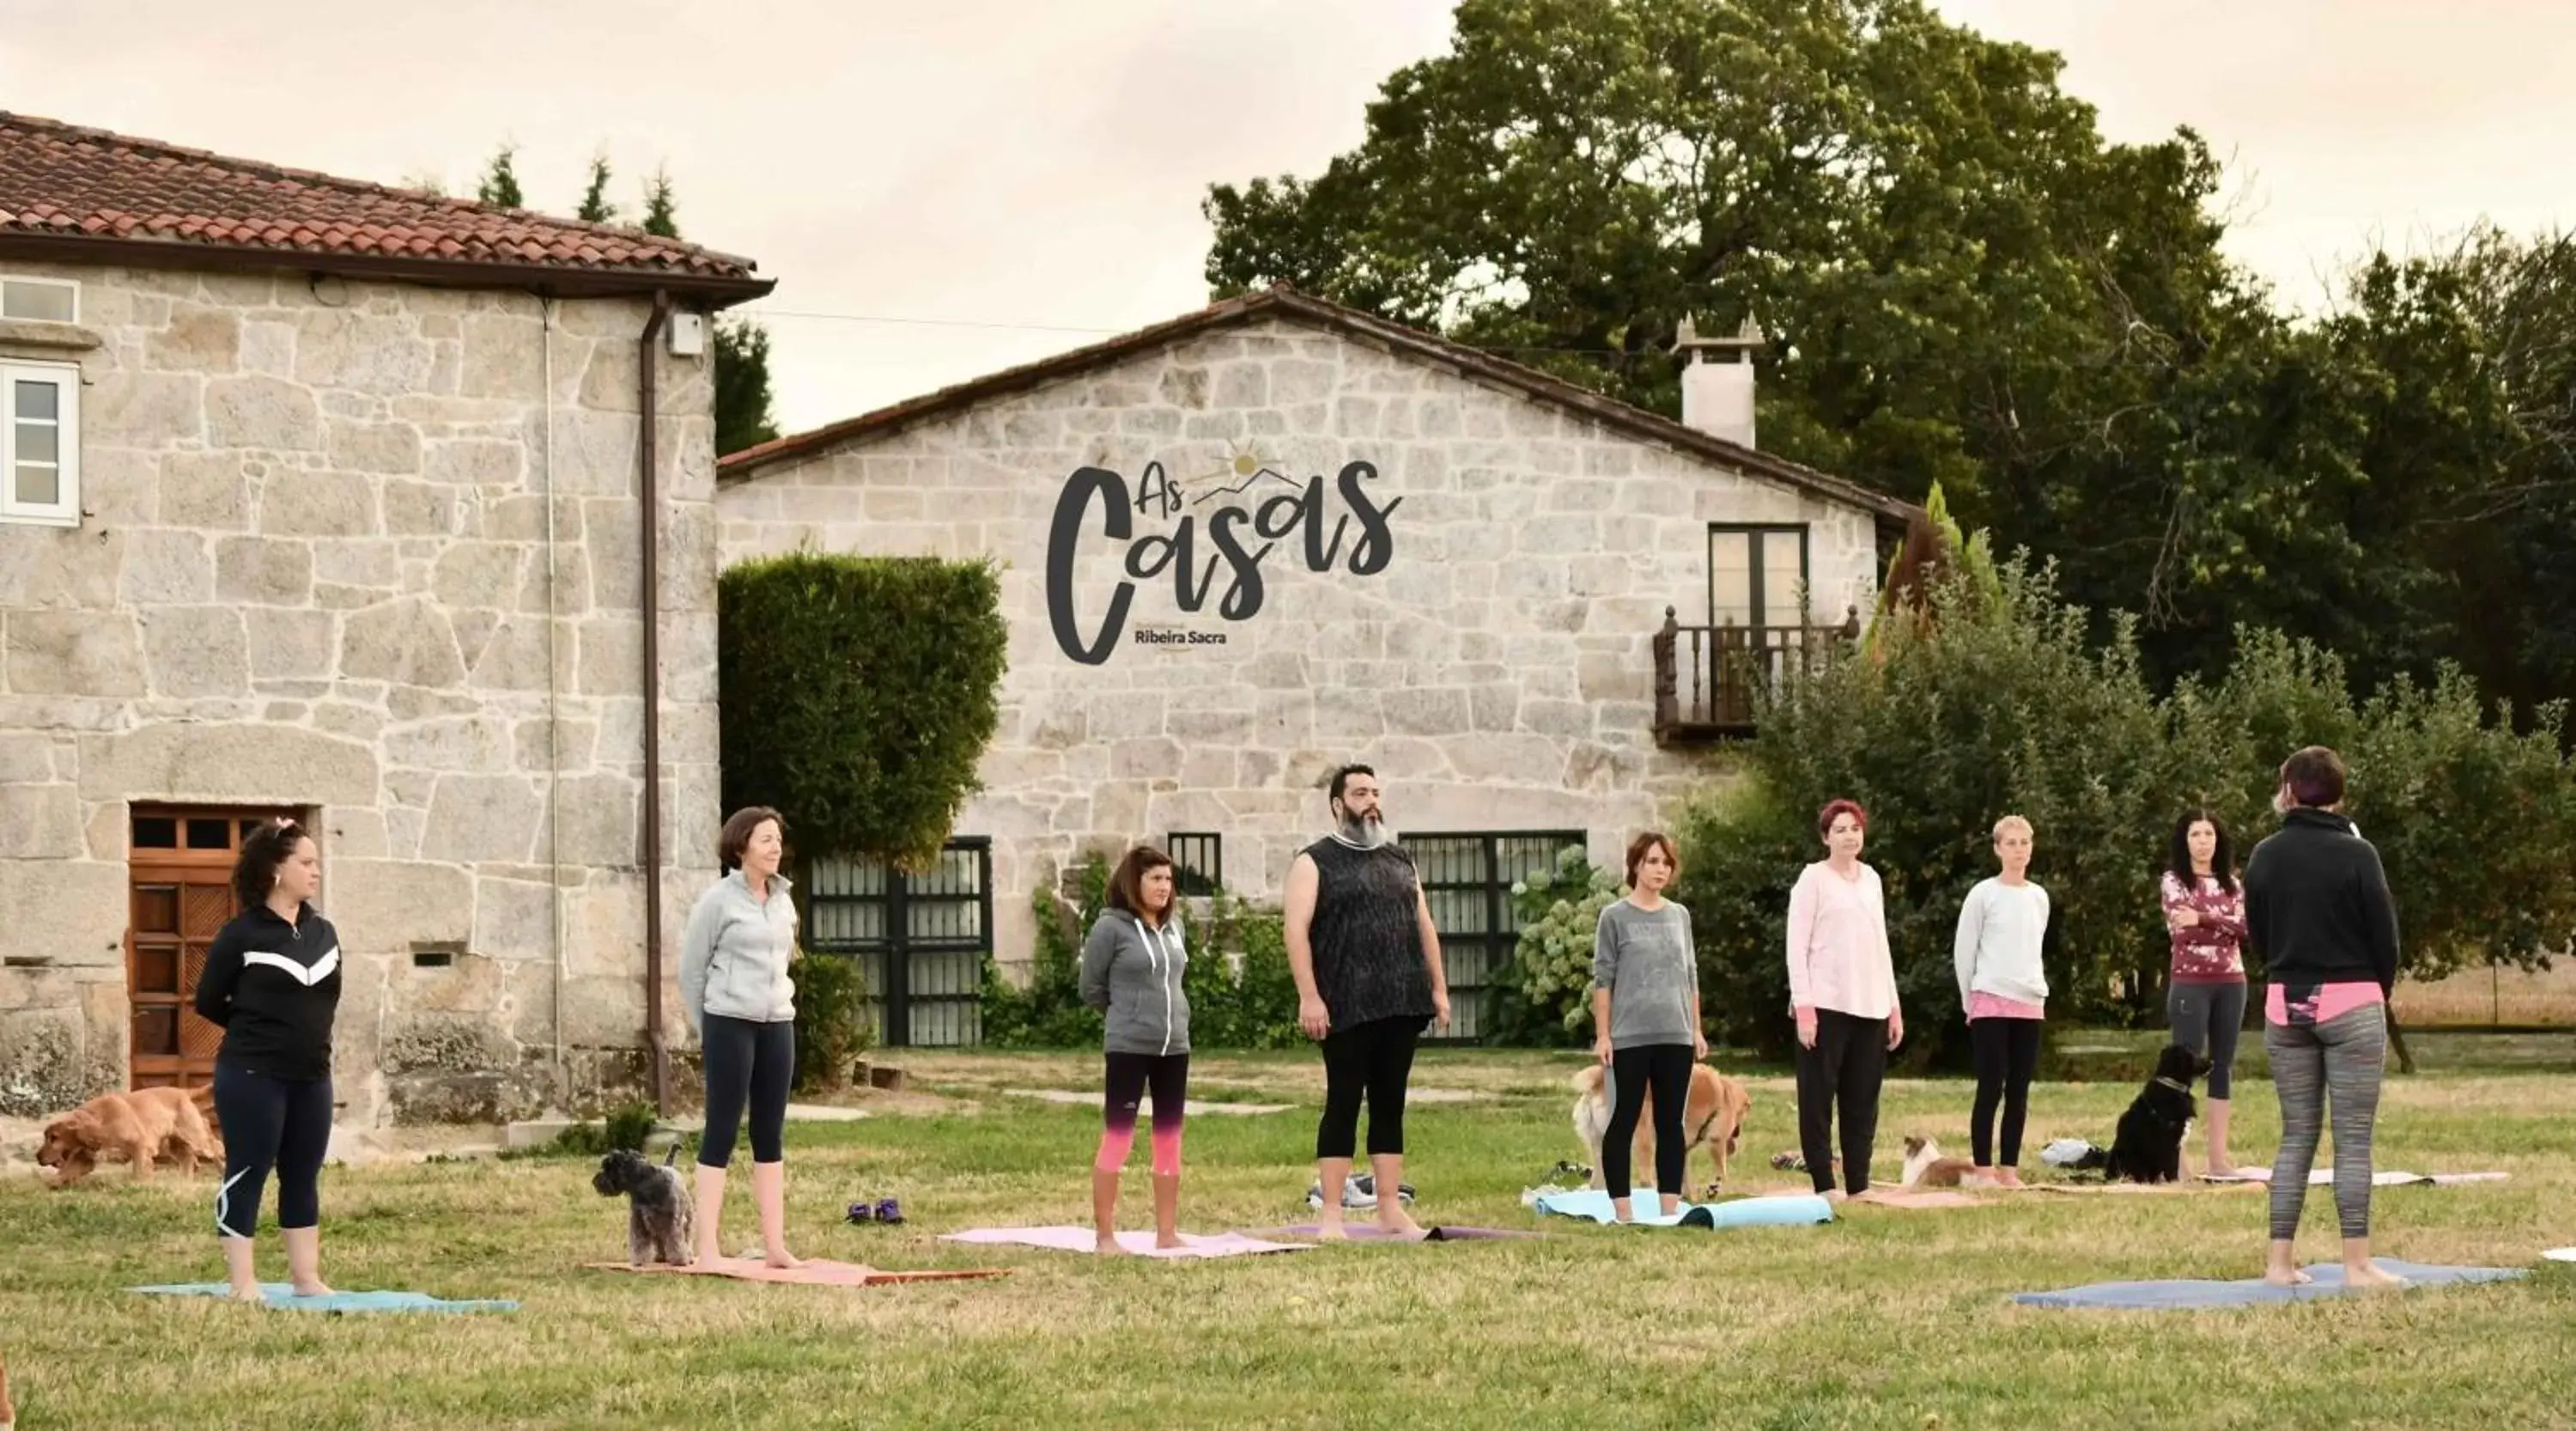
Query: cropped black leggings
x=752, y=1063
x=1370, y=1062
x=279, y=1124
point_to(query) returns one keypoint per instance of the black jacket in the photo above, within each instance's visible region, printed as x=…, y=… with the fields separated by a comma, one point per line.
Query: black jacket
x=2317, y=909
x=274, y=988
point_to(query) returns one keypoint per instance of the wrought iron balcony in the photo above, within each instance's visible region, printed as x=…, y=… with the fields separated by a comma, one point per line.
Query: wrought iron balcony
x=1709, y=680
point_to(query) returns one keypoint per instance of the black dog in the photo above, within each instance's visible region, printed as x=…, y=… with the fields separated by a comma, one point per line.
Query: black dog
x=2148, y=1148
x=657, y=1207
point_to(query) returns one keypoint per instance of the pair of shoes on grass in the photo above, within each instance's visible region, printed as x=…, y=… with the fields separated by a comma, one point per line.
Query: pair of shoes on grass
x=887, y=1211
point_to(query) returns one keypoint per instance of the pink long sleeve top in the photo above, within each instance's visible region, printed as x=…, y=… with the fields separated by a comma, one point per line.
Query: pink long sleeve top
x=1838, y=955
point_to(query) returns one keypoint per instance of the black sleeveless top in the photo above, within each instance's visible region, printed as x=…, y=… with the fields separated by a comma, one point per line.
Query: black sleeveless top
x=1366, y=941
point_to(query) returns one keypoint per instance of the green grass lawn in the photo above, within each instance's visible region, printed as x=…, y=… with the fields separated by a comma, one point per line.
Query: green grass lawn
x=1886, y=1319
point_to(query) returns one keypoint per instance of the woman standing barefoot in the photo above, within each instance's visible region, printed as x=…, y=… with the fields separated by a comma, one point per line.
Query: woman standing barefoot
x=2205, y=991
x=735, y=986
x=1645, y=1017
x=1842, y=988
x=2002, y=926
x=2317, y=910
x=1131, y=972
x=272, y=983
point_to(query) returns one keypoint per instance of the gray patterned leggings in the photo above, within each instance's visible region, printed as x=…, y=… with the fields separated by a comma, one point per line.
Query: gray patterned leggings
x=2339, y=1061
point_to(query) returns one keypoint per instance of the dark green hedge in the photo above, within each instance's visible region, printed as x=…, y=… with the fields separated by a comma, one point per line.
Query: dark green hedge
x=858, y=694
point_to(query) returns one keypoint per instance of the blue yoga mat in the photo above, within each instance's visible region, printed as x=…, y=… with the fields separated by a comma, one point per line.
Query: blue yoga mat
x=2253, y=1292
x=1593, y=1205
x=281, y=1294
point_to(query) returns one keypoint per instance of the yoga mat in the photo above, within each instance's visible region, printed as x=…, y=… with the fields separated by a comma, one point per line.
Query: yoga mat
x=2324, y=1177
x=1082, y=1239
x=817, y=1272
x=282, y=1294
x=1370, y=1232
x=2561, y=1254
x=1786, y=1210
x=1922, y=1198
x=2253, y=1292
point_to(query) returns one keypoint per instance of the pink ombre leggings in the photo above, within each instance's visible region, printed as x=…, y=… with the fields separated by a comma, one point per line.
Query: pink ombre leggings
x=1130, y=1075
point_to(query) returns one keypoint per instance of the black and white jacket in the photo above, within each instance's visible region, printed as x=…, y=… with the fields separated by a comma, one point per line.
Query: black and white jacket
x=274, y=988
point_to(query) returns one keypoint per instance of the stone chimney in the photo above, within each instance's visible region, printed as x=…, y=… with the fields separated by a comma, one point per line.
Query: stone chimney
x=1717, y=381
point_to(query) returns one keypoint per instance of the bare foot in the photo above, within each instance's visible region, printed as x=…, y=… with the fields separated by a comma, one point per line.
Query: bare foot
x=250, y=1293
x=2009, y=1177
x=1398, y=1224
x=1833, y=1195
x=1107, y=1245
x=777, y=1257
x=2369, y=1278
x=1168, y=1242
x=311, y=1289
x=1330, y=1230
x=2286, y=1277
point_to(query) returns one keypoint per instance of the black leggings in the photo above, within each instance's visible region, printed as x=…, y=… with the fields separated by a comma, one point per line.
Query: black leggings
x=746, y=1061
x=1847, y=1064
x=2007, y=1055
x=1665, y=1068
x=1372, y=1061
x=270, y=1123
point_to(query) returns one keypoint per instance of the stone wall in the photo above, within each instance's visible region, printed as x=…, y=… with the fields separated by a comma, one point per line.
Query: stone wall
x=1498, y=670
x=315, y=572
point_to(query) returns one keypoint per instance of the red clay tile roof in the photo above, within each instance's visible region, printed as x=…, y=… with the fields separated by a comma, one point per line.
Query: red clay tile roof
x=1295, y=307
x=68, y=184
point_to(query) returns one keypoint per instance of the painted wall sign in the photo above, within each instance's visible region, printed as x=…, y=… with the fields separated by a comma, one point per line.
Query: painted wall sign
x=1243, y=512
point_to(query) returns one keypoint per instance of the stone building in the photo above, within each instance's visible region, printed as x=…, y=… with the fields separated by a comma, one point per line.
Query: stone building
x=327, y=499
x=1243, y=546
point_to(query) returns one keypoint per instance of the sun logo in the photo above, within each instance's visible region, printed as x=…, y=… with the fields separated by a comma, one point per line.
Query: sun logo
x=1244, y=465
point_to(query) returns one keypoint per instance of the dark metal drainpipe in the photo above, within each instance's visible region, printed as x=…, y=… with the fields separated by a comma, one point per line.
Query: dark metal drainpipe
x=651, y=600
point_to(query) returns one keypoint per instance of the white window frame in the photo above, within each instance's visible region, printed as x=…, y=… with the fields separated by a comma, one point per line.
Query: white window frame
x=66, y=381
x=8, y=281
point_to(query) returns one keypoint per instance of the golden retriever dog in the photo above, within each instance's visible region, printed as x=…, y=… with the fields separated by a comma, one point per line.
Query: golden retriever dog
x=145, y=1126
x=1712, y=1117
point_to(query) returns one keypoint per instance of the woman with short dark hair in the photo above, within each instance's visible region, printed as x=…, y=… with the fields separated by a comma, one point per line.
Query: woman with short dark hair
x=272, y=984
x=1842, y=989
x=1645, y=1019
x=1132, y=967
x=740, y=999
x=2318, y=912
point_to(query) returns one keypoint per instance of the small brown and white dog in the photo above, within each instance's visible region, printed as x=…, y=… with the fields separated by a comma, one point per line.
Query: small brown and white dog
x=1712, y=1117
x=145, y=1126
x=1926, y=1168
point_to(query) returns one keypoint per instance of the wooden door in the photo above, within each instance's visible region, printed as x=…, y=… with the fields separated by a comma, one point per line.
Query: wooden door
x=179, y=897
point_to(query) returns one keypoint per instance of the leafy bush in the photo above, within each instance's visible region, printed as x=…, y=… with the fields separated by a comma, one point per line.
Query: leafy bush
x=1240, y=991
x=1049, y=1013
x=833, y=1022
x=1994, y=700
x=859, y=695
x=1546, y=995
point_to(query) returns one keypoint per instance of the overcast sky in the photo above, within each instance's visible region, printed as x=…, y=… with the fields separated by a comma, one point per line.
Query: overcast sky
x=1007, y=167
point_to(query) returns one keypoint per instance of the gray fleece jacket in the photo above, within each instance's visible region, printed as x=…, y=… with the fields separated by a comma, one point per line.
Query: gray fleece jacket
x=734, y=957
x=1132, y=974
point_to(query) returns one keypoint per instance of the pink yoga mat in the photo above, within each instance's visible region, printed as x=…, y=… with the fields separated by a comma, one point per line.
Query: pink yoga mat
x=1370, y=1232
x=1082, y=1239
x=817, y=1272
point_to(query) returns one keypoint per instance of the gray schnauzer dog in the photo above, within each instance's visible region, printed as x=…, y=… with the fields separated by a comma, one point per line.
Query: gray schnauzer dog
x=657, y=1207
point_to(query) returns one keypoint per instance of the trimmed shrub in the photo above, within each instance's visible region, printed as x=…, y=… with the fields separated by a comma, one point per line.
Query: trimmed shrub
x=858, y=696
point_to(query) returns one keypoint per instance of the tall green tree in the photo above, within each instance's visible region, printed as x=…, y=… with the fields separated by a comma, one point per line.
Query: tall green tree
x=743, y=402
x=499, y=185
x=661, y=206
x=596, y=208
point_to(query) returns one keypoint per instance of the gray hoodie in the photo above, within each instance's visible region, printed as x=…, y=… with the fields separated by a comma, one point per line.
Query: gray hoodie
x=1133, y=975
x=733, y=960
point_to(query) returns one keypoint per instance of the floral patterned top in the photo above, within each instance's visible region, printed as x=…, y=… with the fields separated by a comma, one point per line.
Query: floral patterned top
x=2212, y=951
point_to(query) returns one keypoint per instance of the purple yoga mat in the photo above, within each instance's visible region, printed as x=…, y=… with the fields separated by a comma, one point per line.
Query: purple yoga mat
x=1370, y=1232
x=1082, y=1239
